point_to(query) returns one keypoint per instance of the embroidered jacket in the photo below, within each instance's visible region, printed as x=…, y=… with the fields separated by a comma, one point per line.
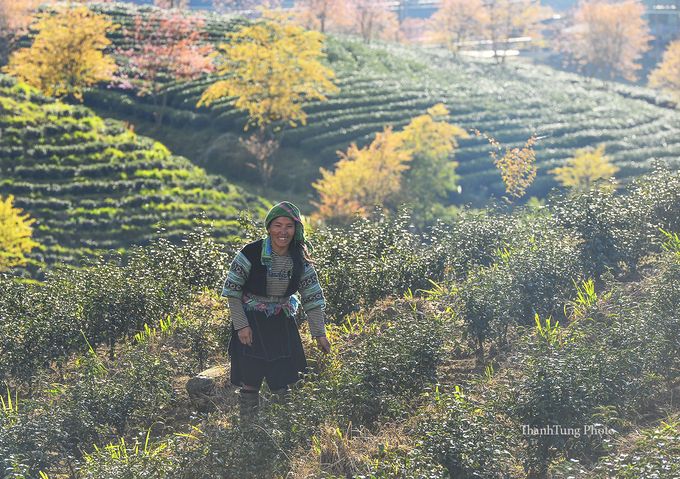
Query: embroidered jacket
x=251, y=276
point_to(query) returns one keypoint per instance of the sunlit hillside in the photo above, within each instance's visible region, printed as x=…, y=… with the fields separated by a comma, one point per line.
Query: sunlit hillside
x=388, y=84
x=92, y=184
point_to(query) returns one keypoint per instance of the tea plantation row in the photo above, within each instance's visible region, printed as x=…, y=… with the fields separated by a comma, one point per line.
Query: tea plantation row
x=387, y=84
x=91, y=353
x=92, y=184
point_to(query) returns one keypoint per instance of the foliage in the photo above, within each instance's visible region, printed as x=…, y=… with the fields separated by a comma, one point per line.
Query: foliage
x=376, y=257
x=388, y=84
x=162, y=49
x=66, y=54
x=566, y=383
x=431, y=175
x=531, y=277
x=465, y=435
x=364, y=178
x=457, y=22
x=272, y=70
x=412, y=165
x=15, y=235
x=106, y=302
x=15, y=17
x=666, y=75
x=321, y=15
x=508, y=19
x=92, y=184
x=371, y=20
x=655, y=454
x=516, y=167
x=612, y=38
x=587, y=166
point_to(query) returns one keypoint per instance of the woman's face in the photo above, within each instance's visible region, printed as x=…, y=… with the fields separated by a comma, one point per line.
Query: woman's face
x=281, y=231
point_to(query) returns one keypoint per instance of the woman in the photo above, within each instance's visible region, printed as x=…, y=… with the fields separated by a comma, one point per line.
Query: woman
x=265, y=342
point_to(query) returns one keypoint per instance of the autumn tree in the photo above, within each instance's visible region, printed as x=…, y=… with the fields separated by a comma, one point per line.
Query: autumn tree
x=160, y=50
x=15, y=235
x=272, y=70
x=66, y=54
x=320, y=14
x=508, y=20
x=372, y=19
x=517, y=169
x=411, y=166
x=363, y=177
x=608, y=38
x=458, y=21
x=171, y=3
x=430, y=142
x=244, y=8
x=587, y=166
x=666, y=75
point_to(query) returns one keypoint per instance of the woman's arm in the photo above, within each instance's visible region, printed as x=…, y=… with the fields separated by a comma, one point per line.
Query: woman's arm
x=233, y=290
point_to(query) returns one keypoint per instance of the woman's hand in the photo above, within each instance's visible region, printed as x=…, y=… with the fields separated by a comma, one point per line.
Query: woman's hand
x=323, y=344
x=245, y=335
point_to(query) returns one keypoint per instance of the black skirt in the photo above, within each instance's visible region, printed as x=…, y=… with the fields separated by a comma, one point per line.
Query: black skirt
x=276, y=353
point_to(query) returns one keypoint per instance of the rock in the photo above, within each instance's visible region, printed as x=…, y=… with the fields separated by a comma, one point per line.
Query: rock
x=205, y=391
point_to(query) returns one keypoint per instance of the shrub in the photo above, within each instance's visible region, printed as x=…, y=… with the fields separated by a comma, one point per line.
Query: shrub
x=466, y=436
x=384, y=373
x=567, y=377
x=600, y=218
x=375, y=258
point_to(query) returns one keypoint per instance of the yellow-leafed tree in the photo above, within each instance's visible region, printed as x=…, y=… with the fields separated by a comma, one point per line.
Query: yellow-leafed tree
x=666, y=75
x=609, y=38
x=363, y=177
x=430, y=142
x=271, y=68
x=411, y=166
x=587, y=166
x=458, y=21
x=66, y=54
x=15, y=235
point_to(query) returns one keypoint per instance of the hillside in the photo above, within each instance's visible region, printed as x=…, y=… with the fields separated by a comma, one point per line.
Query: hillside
x=387, y=84
x=505, y=344
x=92, y=184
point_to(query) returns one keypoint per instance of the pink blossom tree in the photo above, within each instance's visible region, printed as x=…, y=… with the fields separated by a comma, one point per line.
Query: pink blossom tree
x=159, y=50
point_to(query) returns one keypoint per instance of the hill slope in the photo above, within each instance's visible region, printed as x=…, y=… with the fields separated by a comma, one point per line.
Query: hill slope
x=92, y=184
x=387, y=84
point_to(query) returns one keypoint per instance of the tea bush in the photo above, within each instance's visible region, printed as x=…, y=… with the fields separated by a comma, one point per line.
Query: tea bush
x=531, y=271
x=110, y=299
x=385, y=372
x=374, y=258
x=93, y=404
x=566, y=378
x=599, y=217
x=656, y=454
x=465, y=436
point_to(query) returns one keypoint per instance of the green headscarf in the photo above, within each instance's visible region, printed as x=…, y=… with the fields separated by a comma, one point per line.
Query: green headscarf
x=289, y=210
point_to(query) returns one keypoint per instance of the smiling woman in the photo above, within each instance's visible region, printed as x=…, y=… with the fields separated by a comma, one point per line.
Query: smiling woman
x=265, y=342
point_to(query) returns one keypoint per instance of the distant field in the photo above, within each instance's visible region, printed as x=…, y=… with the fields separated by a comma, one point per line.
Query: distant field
x=387, y=84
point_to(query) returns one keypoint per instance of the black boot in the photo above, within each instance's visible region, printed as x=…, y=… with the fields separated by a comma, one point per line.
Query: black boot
x=280, y=396
x=249, y=402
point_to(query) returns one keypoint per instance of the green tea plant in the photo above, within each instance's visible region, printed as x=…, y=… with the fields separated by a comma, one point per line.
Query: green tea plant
x=656, y=454
x=463, y=435
x=565, y=382
x=374, y=258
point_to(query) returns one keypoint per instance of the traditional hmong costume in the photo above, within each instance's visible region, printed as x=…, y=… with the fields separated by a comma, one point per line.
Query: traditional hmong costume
x=260, y=289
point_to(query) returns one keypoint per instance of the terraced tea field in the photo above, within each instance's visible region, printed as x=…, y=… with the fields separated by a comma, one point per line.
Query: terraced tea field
x=387, y=84
x=92, y=184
